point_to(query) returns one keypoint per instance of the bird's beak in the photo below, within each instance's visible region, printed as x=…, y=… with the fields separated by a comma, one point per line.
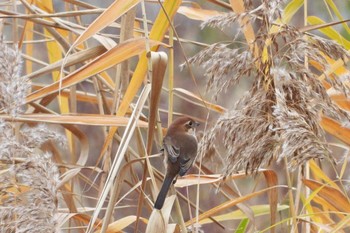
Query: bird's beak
x=196, y=124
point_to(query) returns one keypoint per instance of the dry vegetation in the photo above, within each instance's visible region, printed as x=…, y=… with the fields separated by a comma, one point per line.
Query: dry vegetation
x=85, y=94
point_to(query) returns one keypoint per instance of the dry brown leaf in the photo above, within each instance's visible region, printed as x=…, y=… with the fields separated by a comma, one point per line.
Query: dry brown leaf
x=199, y=101
x=334, y=128
x=159, y=64
x=333, y=196
x=110, y=58
x=113, y=12
x=341, y=101
x=272, y=181
x=73, y=59
x=197, y=13
x=158, y=221
x=75, y=119
x=120, y=224
x=193, y=179
x=226, y=205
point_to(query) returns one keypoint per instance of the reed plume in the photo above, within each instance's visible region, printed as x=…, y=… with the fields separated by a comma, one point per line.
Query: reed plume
x=29, y=179
x=279, y=116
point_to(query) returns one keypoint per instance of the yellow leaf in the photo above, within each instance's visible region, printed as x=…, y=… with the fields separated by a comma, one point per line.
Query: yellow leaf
x=290, y=10
x=192, y=179
x=29, y=47
x=334, y=128
x=113, y=12
x=198, y=100
x=108, y=59
x=333, y=196
x=71, y=60
x=228, y=204
x=258, y=210
x=337, y=13
x=54, y=55
x=340, y=71
x=198, y=13
x=341, y=100
x=317, y=172
x=75, y=119
x=330, y=32
x=159, y=64
x=238, y=7
x=120, y=224
x=160, y=26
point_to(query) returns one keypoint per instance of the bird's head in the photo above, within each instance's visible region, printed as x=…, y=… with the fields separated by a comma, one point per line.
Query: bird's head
x=184, y=124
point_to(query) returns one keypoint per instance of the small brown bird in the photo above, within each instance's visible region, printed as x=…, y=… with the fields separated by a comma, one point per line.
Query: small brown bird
x=180, y=148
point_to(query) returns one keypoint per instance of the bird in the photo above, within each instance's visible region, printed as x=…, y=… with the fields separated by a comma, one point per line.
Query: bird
x=180, y=149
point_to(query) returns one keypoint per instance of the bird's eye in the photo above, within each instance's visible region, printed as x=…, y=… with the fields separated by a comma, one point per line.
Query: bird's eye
x=190, y=123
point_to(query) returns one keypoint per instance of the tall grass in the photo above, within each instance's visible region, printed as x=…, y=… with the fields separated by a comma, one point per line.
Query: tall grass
x=269, y=158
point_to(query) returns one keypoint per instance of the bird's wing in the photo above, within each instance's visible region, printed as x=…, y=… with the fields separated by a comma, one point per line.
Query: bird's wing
x=185, y=165
x=172, y=151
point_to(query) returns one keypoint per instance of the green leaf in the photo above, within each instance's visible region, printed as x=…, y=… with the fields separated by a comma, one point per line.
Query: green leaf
x=242, y=226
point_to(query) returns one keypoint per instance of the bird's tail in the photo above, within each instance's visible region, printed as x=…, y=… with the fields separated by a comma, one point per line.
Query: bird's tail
x=163, y=192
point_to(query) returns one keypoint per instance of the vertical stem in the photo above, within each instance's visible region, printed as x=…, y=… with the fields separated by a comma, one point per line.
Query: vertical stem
x=15, y=26
x=197, y=197
x=299, y=189
x=170, y=115
x=122, y=74
x=121, y=80
x=149, y=72
x=307, y=166
x=291, y=199
x=171, y=76
x=179, y=214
